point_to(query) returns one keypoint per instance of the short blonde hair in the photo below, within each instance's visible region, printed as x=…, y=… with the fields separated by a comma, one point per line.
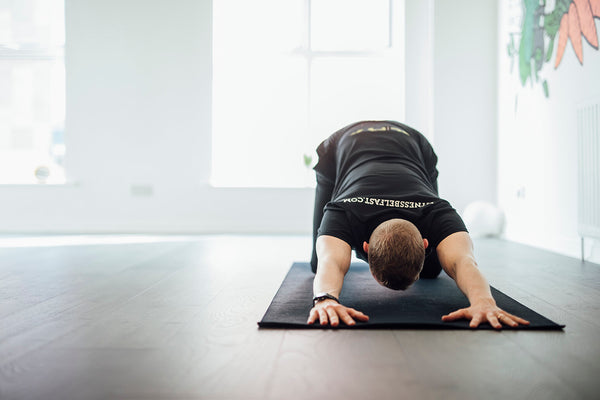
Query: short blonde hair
x=396, y=253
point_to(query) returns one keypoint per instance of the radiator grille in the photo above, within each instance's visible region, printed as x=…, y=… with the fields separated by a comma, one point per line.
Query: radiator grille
x=588, y=133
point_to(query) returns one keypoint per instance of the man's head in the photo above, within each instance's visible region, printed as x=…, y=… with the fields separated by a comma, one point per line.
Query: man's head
x=396, y=252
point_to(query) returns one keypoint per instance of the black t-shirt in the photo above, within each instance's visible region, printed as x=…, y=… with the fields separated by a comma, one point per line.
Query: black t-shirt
x=382, y=170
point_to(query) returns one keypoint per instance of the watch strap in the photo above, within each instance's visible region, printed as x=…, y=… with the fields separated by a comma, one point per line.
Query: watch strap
x=324, y=296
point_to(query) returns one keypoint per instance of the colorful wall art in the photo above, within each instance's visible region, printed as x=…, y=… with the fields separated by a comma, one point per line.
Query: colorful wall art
x=542, y=24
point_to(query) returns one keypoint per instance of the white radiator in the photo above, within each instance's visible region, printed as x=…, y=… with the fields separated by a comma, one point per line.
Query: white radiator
x=588, y=137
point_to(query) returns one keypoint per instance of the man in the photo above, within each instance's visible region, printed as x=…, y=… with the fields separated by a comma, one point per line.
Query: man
x=377, y=194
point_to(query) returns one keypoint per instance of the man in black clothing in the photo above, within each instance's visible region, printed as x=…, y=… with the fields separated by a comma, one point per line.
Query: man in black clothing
x=377, y=194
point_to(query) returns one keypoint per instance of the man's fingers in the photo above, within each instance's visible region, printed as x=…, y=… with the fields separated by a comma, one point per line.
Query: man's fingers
x=322, y=316
x=345, y=317
x=333, y=317
x=458, y=314
x=509, y=319
x=493, y=320
x=475, y=321
x=312, y=317
x=506, y=319
x=517, y=319
x=334, y=313
x=358, y=315
x=496, y=317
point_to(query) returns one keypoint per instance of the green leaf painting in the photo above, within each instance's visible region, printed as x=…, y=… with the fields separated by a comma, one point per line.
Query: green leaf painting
x=569, y=20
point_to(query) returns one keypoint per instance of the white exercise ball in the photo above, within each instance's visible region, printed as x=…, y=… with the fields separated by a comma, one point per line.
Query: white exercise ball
x=483, y=219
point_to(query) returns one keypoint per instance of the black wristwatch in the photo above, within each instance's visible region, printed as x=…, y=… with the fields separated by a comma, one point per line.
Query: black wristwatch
x=324, y=296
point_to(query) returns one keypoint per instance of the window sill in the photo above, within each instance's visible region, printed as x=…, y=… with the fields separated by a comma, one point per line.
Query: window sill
x=27, y=185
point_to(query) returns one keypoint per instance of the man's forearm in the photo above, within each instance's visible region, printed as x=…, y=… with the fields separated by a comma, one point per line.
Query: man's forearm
x=333, y=264
x=472, y=282
x=329, y=279
x=456, y=256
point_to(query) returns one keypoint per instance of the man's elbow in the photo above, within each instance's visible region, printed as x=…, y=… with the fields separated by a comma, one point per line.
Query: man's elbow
x=332, y=264
x=456, y=266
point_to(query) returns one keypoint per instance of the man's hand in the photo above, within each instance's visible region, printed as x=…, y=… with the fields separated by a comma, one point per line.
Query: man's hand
x=455, y=253
x=485, y=312
x=331, y=312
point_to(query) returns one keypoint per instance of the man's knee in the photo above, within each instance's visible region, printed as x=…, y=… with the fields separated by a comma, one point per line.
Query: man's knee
x=431, y=268
x=430, y=273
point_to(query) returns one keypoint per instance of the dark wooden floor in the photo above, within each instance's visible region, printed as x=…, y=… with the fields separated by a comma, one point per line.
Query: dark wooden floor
x=177, y=320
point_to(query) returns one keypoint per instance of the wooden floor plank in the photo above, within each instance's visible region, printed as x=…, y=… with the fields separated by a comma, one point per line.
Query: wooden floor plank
x=341, y=364
x=178, y=321
x=477, y=365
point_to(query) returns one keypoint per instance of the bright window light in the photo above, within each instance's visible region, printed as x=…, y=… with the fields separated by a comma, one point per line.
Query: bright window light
x=286, y=74
x=32, y=91
x=351, y=25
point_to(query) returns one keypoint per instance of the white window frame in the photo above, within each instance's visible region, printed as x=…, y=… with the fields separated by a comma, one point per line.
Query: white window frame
x=395, y=48
x=34, y=52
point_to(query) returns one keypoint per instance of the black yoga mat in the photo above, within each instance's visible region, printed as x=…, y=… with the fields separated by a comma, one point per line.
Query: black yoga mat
x=419, y=307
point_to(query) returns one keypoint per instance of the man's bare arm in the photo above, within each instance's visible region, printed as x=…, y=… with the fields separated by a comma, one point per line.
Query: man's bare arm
x=334, y=257
x=456, y=257
x=323, y=193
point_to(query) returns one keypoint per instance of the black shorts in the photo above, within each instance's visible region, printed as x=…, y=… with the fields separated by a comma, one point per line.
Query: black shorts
x=432, y=266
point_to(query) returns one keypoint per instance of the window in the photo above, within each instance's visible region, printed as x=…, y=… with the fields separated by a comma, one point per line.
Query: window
x=32, y=91
x=286, y=74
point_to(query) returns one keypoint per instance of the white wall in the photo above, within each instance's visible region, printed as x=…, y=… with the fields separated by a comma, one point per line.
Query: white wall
x=465, y=99
x=537, y=156
x=139, y=116
x=139, y=107
x=419, y=53
x=138, y=113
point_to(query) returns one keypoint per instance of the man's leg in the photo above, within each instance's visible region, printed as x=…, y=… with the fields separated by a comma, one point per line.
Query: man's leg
x=431, y=267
